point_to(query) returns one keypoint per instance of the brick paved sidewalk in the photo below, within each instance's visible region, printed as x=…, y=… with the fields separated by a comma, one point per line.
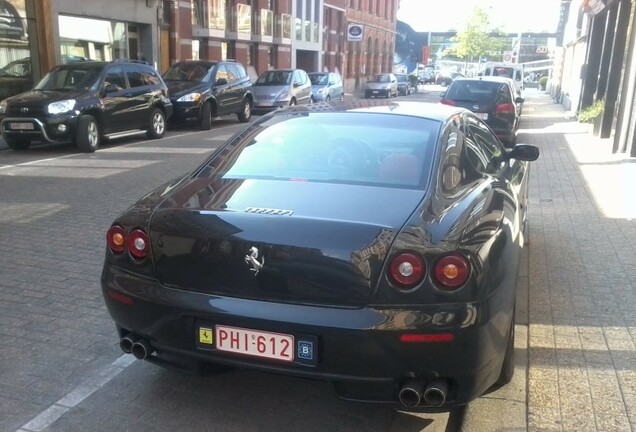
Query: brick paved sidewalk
x=582, y=278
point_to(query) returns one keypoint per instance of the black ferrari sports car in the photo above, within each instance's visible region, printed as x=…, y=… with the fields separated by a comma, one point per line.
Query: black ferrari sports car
x=371, y=244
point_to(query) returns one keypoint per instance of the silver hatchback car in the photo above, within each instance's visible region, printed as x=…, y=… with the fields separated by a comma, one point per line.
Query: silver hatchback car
x=385, y=84
x=281, y=87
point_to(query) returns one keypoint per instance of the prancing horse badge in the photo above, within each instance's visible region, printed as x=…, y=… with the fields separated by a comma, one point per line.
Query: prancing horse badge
x=252, y=259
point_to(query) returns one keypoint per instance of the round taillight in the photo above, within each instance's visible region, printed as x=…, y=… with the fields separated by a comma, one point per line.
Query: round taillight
x=138, y=243
x=116, y=238
x=452, y=271
x=407, y=269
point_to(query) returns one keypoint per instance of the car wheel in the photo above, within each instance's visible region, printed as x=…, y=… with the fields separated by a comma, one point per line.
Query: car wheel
x=246, y=112
x=157, y=126
x=328, y=99
x=206, y=116
x=87, y=138
x=508, y=366
x=292, y=102
x=19, y=144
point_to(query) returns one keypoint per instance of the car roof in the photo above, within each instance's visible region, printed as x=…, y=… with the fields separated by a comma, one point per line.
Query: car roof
x=425, y=110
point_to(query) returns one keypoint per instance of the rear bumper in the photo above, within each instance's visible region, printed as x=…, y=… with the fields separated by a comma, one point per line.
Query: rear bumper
x=357, y=349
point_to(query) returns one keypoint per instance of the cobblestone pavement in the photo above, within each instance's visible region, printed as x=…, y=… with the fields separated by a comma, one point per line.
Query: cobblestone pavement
x=582, y=279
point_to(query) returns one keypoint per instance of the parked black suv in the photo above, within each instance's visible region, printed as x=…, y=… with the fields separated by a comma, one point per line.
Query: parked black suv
x=201, y=90
x=85, y=102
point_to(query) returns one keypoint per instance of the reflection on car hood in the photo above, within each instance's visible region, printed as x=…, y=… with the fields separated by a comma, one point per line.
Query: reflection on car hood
x=262, y=91
x=176, y=89
x=43, y=97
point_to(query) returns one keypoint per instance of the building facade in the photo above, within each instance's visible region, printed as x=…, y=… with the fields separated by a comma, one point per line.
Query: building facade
x=261, y=34
x=598, y=63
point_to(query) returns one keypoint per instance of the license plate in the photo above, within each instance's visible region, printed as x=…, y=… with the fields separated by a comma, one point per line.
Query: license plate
x=483, y=116
x=375, y=91
x=266, y=103
x=254, y=343
x=21, y=126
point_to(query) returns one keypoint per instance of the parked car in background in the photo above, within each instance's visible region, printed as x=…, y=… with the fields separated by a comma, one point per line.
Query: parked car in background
x=405, y=86
x=426, y=77
x=326, y=86
x=514, y=71
x=15, y=78
x=85, y=102
x=202, y=90
x=492, y=99
x=445, y=77
x=279, y=88
x=384, y=84
x=399, y=285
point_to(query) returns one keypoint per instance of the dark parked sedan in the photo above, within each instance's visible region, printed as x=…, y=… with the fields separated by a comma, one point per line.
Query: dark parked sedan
x=372, y=245
x=492, y=99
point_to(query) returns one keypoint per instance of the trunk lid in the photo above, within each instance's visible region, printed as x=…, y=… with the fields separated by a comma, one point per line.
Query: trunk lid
x=316, y=243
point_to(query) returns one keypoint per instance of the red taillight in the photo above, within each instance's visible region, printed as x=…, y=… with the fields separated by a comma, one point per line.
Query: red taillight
x=426, y=337
x=505, y=109
x=138, y=243
x=407, y=269
x=116, y=239
x=452, y=271
x=448, y=102
x=119, y=297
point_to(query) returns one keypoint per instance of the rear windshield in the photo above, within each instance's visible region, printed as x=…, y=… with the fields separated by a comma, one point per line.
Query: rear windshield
x=345, y=148
x=381, y=79
x=402, y=78
x=473, y=91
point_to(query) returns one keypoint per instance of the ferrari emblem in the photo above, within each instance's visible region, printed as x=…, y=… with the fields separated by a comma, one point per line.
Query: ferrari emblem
x=252, y=259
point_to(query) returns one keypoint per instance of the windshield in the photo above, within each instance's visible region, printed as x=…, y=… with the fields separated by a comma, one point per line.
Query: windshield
x=402, y=78
x=70, y=79
x=271, y=78
x=351, y=147
x=381, y=79
x=507, y=72
x=319, y=79
x=17, y=69
x=189, y=71
x=472, y=91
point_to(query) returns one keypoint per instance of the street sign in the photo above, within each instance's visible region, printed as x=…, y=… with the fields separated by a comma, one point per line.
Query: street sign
x=355, y=32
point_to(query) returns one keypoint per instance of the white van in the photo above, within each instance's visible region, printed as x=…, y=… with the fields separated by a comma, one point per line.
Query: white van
x=513, y=71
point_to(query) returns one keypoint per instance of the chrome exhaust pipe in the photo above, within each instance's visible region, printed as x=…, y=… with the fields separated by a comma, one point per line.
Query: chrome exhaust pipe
x=126, y=343
x=411, y=393
x=141, y=349
x=435, y=392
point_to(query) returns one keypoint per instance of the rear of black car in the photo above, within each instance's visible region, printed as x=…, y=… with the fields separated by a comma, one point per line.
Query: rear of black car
x=302, y=241
x=491, y=100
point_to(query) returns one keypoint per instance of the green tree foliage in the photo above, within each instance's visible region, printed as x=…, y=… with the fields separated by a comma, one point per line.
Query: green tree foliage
x=476, y=39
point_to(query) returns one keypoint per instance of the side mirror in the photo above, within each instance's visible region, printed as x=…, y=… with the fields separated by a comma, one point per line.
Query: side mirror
x=442, y=94
x=519, y=100
x=297, y=84
x=221, y=81
x=332, y=83
x=524, y=152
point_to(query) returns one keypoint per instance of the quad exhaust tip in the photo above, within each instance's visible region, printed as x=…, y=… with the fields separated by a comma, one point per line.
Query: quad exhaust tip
x=414, y=393
x=132, y=344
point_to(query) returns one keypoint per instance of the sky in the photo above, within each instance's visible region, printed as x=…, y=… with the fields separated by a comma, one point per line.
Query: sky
x=508, y=15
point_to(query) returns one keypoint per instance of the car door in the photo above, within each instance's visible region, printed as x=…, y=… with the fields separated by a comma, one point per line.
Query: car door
x=140, y=95
x=236, y=90
x=338, y=87
x=222, y=89
x=115, y=100
x=302, y=87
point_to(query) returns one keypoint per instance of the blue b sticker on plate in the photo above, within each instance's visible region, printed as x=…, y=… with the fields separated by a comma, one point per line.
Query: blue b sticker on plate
x=305, y=350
